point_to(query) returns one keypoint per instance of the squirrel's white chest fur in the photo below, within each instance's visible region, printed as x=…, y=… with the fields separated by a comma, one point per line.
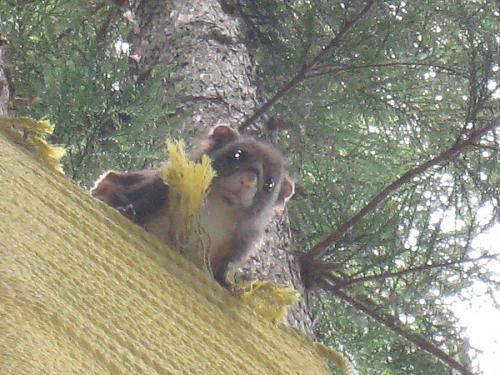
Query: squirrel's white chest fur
x=217, y=223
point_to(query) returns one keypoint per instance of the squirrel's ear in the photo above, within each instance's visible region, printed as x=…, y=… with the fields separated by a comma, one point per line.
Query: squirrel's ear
x=223, y=133
x=218, y=136
x=110, y=189
x=286, y=192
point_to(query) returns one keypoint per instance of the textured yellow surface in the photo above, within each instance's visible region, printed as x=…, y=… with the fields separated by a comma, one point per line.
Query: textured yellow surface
x=83, y=291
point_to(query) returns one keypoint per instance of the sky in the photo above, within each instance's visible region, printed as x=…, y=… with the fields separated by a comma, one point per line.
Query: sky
x=480, y=318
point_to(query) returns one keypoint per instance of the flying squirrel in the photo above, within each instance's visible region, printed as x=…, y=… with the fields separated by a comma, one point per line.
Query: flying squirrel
x=250, y=187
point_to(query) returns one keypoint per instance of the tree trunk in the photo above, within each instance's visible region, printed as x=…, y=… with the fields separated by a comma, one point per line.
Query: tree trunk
x=214, y=73
x=5, y=92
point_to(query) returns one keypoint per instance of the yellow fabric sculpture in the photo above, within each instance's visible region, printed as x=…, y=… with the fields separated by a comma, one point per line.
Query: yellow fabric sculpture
x=83, y=290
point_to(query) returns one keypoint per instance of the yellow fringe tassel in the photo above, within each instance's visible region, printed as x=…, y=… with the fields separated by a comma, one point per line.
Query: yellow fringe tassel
x=267, y=299
x=20, y=129
x=188, y=183
x=340, y=360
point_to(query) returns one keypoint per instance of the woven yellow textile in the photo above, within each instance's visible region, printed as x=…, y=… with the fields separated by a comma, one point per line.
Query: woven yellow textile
x=84, y=291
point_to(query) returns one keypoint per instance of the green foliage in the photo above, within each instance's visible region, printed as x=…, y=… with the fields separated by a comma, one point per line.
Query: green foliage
x=407, y=82
x=76, y=60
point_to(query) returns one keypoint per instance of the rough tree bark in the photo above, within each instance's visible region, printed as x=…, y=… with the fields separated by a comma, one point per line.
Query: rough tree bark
x=215, y=76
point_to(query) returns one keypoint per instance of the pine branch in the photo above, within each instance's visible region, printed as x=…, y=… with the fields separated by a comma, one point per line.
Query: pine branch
x=424, y=267
x=444, y=157
x=346, y=67
x=308, y=66
x=392, y=323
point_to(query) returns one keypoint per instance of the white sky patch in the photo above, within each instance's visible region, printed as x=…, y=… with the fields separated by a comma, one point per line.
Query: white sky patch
x=430, y=74
x=436, y=216
x=449, y=221
x=495, y=88
x=485, y=153
x=480, y=320
x=484, y=214
x=122, y=47
x=407, y=318
x=400, y=263
x=412, y=239
x=496, y=94
x=436, y=29
x=480, y=317
x=446, y=179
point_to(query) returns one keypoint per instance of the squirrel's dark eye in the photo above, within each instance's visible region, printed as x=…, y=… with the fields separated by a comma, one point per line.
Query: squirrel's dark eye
x=269, y=184
x=237, y=155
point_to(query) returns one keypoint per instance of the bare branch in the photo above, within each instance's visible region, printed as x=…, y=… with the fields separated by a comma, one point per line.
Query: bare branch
x=445, y=156
x=391, y=322
x=306, y=67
